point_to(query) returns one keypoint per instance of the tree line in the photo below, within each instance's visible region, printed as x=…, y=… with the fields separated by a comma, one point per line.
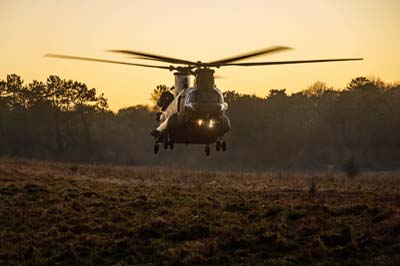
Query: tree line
x=65, y=120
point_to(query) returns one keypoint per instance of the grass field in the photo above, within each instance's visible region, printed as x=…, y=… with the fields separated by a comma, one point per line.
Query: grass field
x=63, y=214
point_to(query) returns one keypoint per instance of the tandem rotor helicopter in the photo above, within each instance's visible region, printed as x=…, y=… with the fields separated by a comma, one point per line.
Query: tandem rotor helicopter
x=195, y=114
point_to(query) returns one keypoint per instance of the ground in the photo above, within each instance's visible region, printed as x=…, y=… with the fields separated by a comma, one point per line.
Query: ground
x=65, y=214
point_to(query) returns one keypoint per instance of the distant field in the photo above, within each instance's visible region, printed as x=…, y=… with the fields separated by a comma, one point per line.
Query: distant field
x=96, y=215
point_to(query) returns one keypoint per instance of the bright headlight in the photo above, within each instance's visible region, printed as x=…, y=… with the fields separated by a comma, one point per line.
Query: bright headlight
x=207, y=123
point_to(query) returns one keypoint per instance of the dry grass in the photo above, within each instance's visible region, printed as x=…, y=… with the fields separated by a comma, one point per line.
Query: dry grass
x=96, y=215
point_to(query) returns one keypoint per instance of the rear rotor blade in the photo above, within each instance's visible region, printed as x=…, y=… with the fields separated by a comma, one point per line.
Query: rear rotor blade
x=104, y=61
x=155, y=57
x=269, y=50
x=292, y=62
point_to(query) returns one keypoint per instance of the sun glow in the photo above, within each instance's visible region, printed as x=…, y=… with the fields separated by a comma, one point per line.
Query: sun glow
x=199, y=30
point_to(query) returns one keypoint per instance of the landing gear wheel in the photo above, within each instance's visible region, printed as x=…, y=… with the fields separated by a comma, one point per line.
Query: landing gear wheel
x=156, y=148
x=166, y=144
x=207, y=150
x=223, y=146
x=218, y=145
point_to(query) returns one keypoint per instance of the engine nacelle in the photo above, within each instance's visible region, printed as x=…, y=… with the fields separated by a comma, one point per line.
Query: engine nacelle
x=165, y=99
x=182, y=82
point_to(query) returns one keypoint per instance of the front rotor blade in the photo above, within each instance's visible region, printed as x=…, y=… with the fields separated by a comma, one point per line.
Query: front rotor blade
x=103, y=61
x=269, y=50
x=155, y=57
x=292, y=62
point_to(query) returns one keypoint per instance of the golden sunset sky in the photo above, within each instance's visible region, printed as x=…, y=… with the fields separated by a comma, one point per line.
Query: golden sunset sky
x=200, y=30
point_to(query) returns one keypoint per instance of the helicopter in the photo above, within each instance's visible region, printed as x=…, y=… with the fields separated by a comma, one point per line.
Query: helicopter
x=195, y=114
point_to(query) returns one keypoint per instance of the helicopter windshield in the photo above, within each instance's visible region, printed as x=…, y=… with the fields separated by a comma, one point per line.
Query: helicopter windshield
x=209, y=96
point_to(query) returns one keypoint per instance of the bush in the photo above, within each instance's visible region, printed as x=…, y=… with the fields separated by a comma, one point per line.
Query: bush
x=350, y=167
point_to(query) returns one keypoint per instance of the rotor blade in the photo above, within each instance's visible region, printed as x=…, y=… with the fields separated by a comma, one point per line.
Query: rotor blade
x=265, y=51
x=151, y=59
x=155, y=57
x=292, y=62
x=103, y=61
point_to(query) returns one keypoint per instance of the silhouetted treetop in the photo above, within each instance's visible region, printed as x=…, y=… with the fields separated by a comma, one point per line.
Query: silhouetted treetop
x=66, y=120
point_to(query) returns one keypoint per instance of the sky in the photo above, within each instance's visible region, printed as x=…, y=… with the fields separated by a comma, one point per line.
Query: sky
x=199, y=30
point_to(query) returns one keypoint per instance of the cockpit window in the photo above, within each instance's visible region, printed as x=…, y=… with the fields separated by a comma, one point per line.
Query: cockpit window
x=210, y=96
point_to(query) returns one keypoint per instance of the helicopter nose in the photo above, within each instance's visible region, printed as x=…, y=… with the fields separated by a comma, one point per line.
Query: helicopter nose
x=208, y=107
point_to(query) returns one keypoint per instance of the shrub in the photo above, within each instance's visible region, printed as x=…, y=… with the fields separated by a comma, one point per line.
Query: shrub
x=350, y=167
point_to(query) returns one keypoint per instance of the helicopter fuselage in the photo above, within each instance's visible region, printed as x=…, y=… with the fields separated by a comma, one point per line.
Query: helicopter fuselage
x=194, y=116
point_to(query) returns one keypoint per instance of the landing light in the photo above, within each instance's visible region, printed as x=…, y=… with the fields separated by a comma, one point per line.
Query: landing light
x=207, y=123
x=211, y=123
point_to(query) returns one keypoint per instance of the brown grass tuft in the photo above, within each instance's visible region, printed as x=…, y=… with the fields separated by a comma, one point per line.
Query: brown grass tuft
x=52, y=214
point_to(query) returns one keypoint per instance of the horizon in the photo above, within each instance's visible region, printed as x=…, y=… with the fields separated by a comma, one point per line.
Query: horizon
x=343, y=30
x=150, y=105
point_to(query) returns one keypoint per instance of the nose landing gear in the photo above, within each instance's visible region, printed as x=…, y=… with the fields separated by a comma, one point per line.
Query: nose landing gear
x=168, y=143
x=156, y=148
x=207, y=150
x=220, y=145
x=223, y=146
